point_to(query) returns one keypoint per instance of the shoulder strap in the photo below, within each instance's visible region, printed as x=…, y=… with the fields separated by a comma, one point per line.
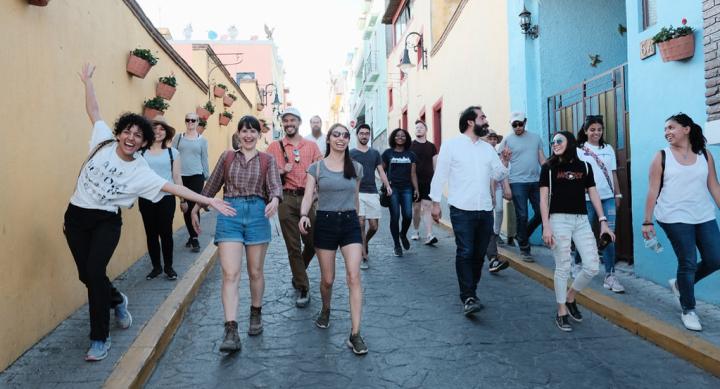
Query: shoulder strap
x=94, y=151
x=282, y=147
x=662, y=172
x=227, y=161
x=172, y=160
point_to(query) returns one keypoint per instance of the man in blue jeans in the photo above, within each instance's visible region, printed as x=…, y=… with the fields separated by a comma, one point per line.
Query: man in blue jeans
x=470, y=200
x=527, y=155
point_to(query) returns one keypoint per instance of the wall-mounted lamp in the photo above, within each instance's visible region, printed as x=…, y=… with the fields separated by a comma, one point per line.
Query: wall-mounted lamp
x=526, y=24
x=405, y=64
x=264, y=94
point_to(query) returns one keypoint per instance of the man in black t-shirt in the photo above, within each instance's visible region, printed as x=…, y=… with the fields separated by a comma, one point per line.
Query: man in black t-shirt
x=426, y=158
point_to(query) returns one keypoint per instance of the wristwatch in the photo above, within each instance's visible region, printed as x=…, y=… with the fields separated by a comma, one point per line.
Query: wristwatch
x=602, y=219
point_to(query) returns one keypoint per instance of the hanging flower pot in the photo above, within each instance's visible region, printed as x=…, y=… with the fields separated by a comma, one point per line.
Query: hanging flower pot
x=205, y=111
x=151, y=113
x=201, y=126
x=225, y=118
x=39, y=3
x=675, y=43
x=219, y=90
x=166, y=87
x=229, y=99
x=140, y=62
x=153, y=107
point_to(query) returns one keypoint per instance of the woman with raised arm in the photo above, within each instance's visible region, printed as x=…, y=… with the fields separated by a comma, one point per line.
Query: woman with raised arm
x=112, y=177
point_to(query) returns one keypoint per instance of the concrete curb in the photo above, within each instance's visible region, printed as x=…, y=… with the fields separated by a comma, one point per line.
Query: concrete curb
x=138, y=363
x=695, y=350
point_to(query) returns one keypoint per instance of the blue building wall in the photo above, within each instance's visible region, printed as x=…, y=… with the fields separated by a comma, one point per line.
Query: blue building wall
x=657, y=90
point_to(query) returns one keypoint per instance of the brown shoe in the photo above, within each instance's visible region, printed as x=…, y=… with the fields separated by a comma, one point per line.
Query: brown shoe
x=231, y=340
x=256, y=324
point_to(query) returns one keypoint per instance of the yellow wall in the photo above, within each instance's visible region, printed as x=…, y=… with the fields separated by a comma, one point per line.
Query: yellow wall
x=45, y=138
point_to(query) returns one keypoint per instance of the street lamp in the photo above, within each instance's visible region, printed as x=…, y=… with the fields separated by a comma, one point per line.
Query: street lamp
x=526, y=24
x=405, y=64
x=264, y=94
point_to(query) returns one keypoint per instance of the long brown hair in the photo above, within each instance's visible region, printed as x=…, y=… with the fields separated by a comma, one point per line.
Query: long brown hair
x=348, y=167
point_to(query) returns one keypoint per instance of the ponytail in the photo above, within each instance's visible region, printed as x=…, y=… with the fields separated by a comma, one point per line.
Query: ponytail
x=697, y=139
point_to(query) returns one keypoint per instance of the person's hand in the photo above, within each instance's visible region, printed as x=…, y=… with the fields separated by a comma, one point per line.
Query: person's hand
x=195, y=217
x=604, y=229
x=389, y=190
x=436, y=212
x=271, y=208
x=547, y=236
x=87, y=72
x=416, y=195
x=183, y=206
x=304, y=225
x=222, y=206
x=507, y=195
x=505, y=156
x=288, y=167
x=648, y=231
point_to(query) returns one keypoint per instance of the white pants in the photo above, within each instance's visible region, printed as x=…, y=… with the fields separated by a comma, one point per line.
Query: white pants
x=498, y=211
x=569, y=228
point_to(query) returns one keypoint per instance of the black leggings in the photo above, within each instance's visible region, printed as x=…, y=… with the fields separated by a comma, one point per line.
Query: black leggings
x=195, y=184
x=92, y=236
x=158, y=220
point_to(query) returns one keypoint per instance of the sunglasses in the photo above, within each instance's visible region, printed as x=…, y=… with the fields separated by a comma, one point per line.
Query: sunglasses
x=296, y=153
x=557, y=141
x=517, y=124
x=339, y=134
x=190, y=120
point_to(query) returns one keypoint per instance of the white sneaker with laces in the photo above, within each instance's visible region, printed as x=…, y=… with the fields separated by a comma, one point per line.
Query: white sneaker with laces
x=612, y=283
x=415, y=236
x=691, y=321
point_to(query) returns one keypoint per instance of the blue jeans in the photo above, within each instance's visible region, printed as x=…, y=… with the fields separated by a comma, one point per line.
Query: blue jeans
x=401, y=199
x=608, y=254
x=521, y=193
x=686, y=240
x=472, y=233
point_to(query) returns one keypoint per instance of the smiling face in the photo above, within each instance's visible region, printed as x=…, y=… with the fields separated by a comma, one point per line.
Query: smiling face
x=559, y=144
x=160, y=133
x=400, y=138
x=338, y=138
x=246, y=138
x=130, y=140
x=675, y=133
x=191, y=121
x=594, y=132
x=290, y=123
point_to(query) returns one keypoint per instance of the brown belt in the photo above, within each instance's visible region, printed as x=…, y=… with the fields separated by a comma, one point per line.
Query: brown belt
x=295, y=192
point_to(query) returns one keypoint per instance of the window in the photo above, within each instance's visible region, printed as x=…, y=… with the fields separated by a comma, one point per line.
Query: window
x=401, y=22
x=437, y=124
x=404, y=123
x=649, y=8
x=244, y=76
x=390, y=99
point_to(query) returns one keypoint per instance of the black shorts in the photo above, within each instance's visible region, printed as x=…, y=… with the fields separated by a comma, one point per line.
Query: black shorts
x=336, y=229
x=424, y=189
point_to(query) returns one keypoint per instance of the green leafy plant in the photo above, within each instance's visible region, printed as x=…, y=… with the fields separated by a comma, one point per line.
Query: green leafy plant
x=202, y=122
x=667, y=33
x=169, y=80
x=210, y=107
x=146, y=55
x=232, y=96
x=221, y=86
x=227, y=114
x=156, y=102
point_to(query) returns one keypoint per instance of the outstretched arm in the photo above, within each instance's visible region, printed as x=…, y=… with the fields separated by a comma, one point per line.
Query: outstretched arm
x=91, y=104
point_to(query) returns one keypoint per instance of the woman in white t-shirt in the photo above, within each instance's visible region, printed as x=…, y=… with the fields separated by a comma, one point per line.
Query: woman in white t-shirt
x=601, y=156
x=112, y=177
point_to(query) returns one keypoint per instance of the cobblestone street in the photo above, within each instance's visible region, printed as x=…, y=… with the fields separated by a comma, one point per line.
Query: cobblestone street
x=416, y=333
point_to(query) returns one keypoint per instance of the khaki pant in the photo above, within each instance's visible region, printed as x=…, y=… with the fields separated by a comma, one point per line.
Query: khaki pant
x=289, y=214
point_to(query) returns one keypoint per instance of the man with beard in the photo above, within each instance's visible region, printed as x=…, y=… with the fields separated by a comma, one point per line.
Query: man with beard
x=370, y=209
x=293, y=155
x=317, y=135
x=468, y=165
x=527, y=156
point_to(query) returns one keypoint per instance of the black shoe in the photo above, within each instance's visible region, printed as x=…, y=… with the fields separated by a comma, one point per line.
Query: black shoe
x=574, y=311
x=357, y=344
x=188, y=244
x=303, y=299
x=170, y=273
x=323, y=319
x=154, y=273
x=563, y=323
x=195, y=245
x=496, y=265
x=256, y=323
x=231, y=339
x=430, y=241
x=405, y=242
x=397, y=251
x=471, y=306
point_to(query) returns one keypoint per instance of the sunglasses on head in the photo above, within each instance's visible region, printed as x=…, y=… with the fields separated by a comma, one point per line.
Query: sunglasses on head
x=517, y=124
x=598, y=118
x=343, y=134
x=190, y=120
x=557, y=141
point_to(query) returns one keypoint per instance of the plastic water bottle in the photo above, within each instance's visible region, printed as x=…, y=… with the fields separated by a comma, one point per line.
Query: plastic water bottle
x=654, y=245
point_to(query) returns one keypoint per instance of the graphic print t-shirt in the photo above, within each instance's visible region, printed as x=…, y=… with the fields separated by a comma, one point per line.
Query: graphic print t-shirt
x=107, y=182
x=569, y=182
x=399, y=167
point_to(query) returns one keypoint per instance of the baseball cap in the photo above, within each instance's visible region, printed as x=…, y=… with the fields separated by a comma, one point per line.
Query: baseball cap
x=517, y=117
x=291, y=111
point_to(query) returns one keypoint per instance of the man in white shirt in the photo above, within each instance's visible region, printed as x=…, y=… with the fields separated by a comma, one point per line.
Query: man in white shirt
x=468, y=165
x=317, y=136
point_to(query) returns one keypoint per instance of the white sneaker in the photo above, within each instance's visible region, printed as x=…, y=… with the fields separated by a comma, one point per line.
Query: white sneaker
x=415, y=236
x=611, y=282
x=691, y=321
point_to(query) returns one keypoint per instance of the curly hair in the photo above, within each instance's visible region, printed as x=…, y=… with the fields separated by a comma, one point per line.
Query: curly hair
x=129, y=119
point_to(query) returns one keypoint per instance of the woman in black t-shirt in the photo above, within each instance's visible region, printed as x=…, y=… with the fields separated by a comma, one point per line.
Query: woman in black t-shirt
x=399, y=163
x=564, y=178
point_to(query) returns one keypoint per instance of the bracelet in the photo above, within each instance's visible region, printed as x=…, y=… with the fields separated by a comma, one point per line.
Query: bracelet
x=618, y=196
x=602, y=219
x=303, y=215
x=648, y=224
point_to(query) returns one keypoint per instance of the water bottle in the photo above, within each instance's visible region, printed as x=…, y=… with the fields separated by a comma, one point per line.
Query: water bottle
x=654, y=245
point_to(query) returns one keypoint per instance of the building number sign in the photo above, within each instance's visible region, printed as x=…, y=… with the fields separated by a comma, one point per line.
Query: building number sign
x=647, y=48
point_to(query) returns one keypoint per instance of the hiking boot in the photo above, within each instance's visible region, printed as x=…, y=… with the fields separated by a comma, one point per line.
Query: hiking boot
x=323, y=318
x=98, y=350
x=574, y=311
x=563, y=323
x=691, y=321
x=397, y=251
x=123, y=318
x=431, y=240
x=170, y=273
x=231, y=339
x=303, y=299
x=496, y=265
x=405, y=242
x=612, y=283
x=364, y=265
x=471, y=306
x=195, y=245
x=154, y=273
x=357, y=344
x=256, y=324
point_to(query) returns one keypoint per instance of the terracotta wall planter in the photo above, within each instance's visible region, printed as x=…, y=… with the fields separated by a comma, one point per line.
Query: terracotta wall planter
x=218, y=92
x=137, y=66
x=165, y=91
x=203, y=113
x=150, y=113
x=678, y=48
x=228, y=101
x=200, y=129
x=39, y=3
x=224, y=120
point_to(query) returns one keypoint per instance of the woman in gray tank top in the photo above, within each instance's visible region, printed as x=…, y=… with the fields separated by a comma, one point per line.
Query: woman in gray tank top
x=337, y=181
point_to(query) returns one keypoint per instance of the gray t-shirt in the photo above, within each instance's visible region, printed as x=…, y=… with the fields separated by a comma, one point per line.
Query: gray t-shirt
x=194, y=154
x=524, y=164
x=161, y=164
x=369, y=160
x=336, y=193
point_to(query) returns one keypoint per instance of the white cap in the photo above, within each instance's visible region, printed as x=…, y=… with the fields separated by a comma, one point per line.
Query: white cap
x=291, y=111
x=517, y=117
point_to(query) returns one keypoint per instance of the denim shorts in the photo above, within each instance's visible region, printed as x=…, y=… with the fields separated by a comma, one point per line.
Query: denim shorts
x=249, y=226
x=336, y=229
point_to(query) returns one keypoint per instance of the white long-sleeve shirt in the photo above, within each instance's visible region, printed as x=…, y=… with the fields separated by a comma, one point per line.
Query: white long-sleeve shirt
x=467, y=167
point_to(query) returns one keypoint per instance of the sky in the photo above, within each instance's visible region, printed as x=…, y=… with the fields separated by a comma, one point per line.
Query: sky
x=313, y=36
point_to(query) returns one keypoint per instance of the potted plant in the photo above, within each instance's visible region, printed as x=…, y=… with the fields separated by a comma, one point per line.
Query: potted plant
x=140, y=62
x=155, y=106
x=39, y=3
x=219, y=90
x=202, y=123
x=166, y=87
x=205, y=111
x=225, y=118
x=675, y=43
x=229, y=99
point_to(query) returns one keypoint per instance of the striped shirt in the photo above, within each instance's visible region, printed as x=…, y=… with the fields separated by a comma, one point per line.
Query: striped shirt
x=308, y=153
x=245, y=178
